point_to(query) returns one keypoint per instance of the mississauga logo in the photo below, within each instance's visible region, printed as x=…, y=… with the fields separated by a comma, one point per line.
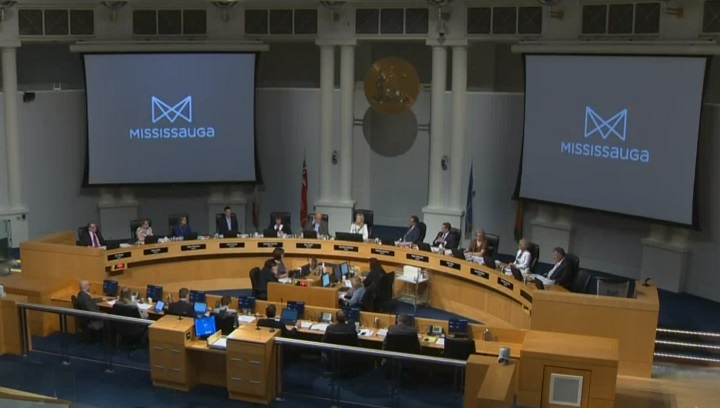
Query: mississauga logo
x=615, y=127
x=172, y=122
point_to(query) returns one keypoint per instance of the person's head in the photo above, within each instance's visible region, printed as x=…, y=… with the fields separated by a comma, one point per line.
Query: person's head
x=319, y=216
x=145, y=223
x=225, y=301
x=340, y=317
x=524, y=244
x=375, y=265
x=278, y=254
x=558, y=254
x=91, y=226
x=84, y=286
x=480, y=235
x=227, y=211
x=414, y=220
x=402, y=318
x=182, y=220
x=278, y=219
x=359, y=219
x=125, y=294
x=270, y=311
x=356, y=282
x=184, y=294
x=446, y=227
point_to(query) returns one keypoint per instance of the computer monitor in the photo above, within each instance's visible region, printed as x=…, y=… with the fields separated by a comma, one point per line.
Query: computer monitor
x=337, y=272
x=159, y=306
x=152, y=239
x=197, y=296
x=190, y=236
x=352, y=314
x=345, y=268
x=246, y=304
x=200, y=308
x=298, y=306
x=424, y=246
x=205, y=327
x=270, y=233
x=154, y=292
x=489, y=261
x=325, y=317
x=289, y=316
x=110, y=287
x=457, y=327
x=516, y=273
x=230, y=234
x=312, y=234
x=326, y=280
x=347, y=236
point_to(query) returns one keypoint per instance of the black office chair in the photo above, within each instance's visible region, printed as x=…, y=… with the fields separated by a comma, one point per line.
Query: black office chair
x=581, y=282
x=80, y=232
x=285, y=216
x=493, y=244
x=83, y=329
x=574, y=266
x=339, y=362
x=134, y=224
x=226, y=322
x=173, y=221
x=534, y=250
x=401, y=343
x=383, y=300
x=458, y=349
x=423, y=229
x=129, y=334
x=368, y=215
x=254, y=276
x=455, y=232
x=369, y=300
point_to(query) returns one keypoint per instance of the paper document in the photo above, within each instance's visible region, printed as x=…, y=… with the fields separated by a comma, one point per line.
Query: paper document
x=382, y=332
x=246, y=319
x=144, y=306
x=111, y=302
x=305, y=324
x=285, y=280
x=440, y=341
x=366, y=332
x=347, y=283
x=320, y=327
x=220, y=343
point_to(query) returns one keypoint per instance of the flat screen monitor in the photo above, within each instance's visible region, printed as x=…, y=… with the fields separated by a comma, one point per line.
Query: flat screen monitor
x=312, y=234
x=344, y=269
x=457, y=326
x=154, y=292
x=246, y=304
x=197, y=296
x=347, y=236
x=159, y=306
x=110, y=287
x=297, y=305
x=205, y=327
x=326, y=280
x=352, y=314
x=289, y=316
x=200, y=308
x=337, y=272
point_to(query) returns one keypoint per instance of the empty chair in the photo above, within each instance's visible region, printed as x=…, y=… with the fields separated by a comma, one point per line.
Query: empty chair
x=493, y=244
x=384, y=296
x=581, y=282
x=402, y=342
x=226, y=322
x=342, y=363
x=534, y=250
x=458, y=349
x=574, y=266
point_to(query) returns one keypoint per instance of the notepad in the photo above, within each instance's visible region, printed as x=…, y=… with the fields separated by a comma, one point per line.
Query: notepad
x=246, y=319
x=220, y=343
x=440, y=341
x=305, y=324
x=285, y=280
x=429, y=339
x=320, y=327
x=111, y=302
x=144, y=306
x=366, y=332
x=382, y=332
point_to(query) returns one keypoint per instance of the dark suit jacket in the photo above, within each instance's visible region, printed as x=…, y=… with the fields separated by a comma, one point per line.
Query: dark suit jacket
x=401, y=329
x=181, y=231
x=323, y=230
x=222, y=226
x=85, y=302
x=266, y=276
x=372, y=277
x=276, y=324
x=340, y=328
x=563, y=274
x=85, y=239
x=412, y=234
x=181, y=308
x=450, y=240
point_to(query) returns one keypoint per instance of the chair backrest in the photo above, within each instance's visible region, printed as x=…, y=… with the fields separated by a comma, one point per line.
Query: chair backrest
x=617, y=287
x=493, y=244
x=134, y=224
x=385, y=287
x=455, y=232
x=342, y=339
x=458, y=348
x=581, y=281
x=402, y=342
x=226, y=322
x=286, y=218
x=73, y=300
x=574, y=265
x=127, y=329
x=423, y=230
x=534, y=250
x=173, y=220
x=368, y=214
x=254, y=276
x=80, y=232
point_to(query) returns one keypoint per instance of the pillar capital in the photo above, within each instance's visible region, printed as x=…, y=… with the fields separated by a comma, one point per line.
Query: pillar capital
x=10, y=44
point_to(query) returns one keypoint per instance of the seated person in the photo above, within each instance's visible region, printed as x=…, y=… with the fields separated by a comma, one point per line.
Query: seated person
x=400, y=328
x=340, y=327
x=445, y=238
x=376, y=273
x=269, y=273
x=278, y=255
x=523, y=257
x=312, y=268
x=126, y=298
x=354, y=296
x=182, y=307
x=413, y=233
x=225, y=318
x=269, y=321
x=228, y=222
x=319, y=225
x=561, y=272
x=359, y=226
x=182, y=227
x=279, y=227
x=144, y=230
x=91, y=237
x=478, y=246
x=85, y=302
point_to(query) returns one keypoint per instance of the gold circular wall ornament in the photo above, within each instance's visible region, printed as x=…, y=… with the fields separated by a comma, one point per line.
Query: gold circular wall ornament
x=391, y=85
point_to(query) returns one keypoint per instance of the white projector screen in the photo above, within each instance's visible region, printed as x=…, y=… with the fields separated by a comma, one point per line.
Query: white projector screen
x=170, y=118
x=613, y=133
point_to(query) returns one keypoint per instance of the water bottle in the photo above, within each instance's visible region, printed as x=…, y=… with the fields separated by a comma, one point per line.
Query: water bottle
x=376, y=323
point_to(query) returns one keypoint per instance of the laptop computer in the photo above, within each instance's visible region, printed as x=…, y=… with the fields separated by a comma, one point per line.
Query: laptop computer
x=488, y=261
x=190, y=236
x=539, y=284
x=159, y=306
x=270, y=233
x=424, y=246
x=310, y=234
x=387, y=242
x=112, y=245
x=151, y=239
x=458, y=253
x=289, y=316
x=347, y=236
x=516, y=273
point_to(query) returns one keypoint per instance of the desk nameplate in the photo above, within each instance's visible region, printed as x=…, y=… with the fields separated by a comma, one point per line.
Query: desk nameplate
x=193, y=247
x=382, y=251
x=308, y=245
x=155, y=251
x=346, y=248
x=526, y=295
x=506, y=283
x=450, y=264
x=478, y=272
x=119, y=255
x=417, y=257
x=232, y=245
x=270, y=244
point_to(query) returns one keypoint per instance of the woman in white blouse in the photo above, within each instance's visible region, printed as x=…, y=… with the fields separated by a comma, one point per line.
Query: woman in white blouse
x=144, y=230
x=523, y=257
x=359, y=226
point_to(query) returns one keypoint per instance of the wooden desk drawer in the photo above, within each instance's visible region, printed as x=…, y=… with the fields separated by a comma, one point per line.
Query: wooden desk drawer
x=167, y=336
x=246, y=348
x=246, y=370
x=245, y=386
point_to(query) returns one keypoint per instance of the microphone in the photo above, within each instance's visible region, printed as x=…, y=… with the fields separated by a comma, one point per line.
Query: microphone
x=645, y=283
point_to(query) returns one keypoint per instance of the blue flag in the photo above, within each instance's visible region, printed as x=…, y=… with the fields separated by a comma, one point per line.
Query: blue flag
x=469, y=205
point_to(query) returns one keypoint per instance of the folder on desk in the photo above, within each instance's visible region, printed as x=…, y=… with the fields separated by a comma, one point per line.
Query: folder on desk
x=319, y=327
x=382, y=332
x=246, y=319
x=365, y=332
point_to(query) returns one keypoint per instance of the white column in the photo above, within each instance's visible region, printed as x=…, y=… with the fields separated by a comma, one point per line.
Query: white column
x=12, y=133
x=437, y=125
x=327, y=85
x=459, y=125
x=347, y=90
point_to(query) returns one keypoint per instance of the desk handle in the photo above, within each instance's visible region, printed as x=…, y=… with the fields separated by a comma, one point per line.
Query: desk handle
x=158, y=348
x=255, y=382
x=236, y=379
x=255, y=362
x=175, y=351
x=160, y=367
x=176, y=369
x=237, y=359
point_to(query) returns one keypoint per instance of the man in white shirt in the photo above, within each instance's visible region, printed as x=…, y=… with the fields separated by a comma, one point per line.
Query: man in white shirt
x=279, y=227
x=561, y=272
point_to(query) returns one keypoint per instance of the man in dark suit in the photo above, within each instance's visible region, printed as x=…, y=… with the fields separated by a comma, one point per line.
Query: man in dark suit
x=91, y=236
x=85, y=302
x=269, y=321
x=319, y=225
x=269, y=273
x=413, y=233
x=279, y=227
x=341, y=327
x=446, y=238
x=401, y=328
x=228, y=222
x=561, y=273
x=182, y=307
x=225, y=318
